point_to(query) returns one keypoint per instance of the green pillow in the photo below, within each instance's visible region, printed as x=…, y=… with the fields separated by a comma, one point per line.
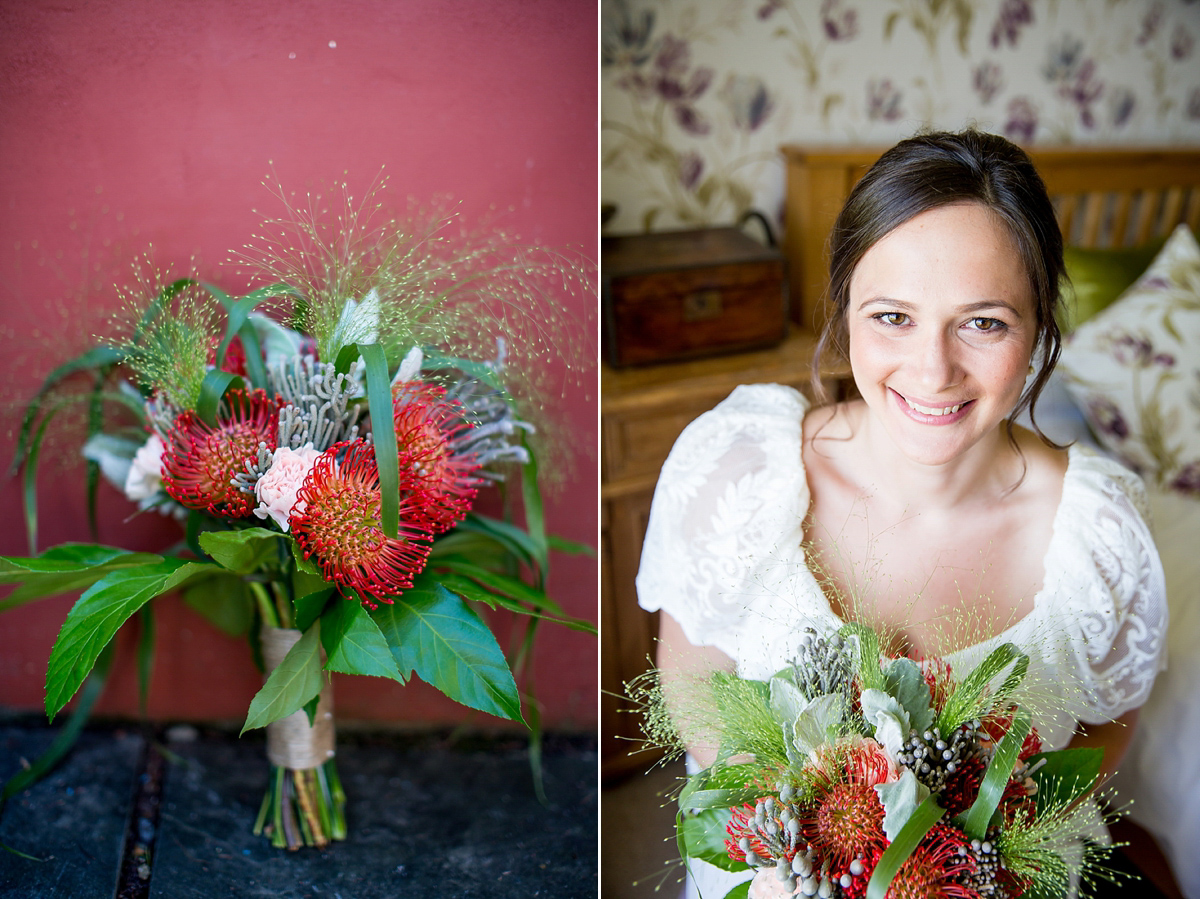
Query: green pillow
x=1097, y=277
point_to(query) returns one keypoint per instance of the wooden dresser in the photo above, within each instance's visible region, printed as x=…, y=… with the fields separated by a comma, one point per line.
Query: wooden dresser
x=643, y=410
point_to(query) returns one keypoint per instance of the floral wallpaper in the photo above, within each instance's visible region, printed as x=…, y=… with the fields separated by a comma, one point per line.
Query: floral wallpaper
x=698, y=95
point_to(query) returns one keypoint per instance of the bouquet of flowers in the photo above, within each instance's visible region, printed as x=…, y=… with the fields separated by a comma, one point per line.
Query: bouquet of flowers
x=848, y=776
x=323, y=461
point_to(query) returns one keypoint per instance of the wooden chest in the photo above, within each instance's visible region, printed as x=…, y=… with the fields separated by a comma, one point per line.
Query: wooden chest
x=686, y=294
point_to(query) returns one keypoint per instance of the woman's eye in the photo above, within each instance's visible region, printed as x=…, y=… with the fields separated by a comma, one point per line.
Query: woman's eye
x=987, y=324
x=891, y=318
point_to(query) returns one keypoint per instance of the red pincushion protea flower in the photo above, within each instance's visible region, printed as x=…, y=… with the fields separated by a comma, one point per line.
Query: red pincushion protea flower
x=934, y=868
x=200, y=460
x=340, y=525
x=846, y=820
x=430, y=434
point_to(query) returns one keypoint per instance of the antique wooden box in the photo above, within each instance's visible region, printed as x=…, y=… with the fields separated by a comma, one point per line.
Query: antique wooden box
x=684, y=294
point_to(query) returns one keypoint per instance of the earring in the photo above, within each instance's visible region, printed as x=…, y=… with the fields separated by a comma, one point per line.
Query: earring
x=1031, y=368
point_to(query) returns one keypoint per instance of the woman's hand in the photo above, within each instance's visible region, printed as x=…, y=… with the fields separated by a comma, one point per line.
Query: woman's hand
x=683, y=666
x=1113, y=737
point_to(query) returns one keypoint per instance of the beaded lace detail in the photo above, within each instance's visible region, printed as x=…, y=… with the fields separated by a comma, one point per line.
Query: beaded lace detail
x=724, y=557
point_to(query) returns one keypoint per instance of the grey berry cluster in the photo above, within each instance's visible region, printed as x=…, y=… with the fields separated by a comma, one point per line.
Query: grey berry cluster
x=988, y=862
x=934, y=758
x=825, y=665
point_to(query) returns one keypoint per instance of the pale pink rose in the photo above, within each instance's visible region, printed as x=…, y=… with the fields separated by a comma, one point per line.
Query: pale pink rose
x=276, y=489
x=766, y=885
x=145, y=472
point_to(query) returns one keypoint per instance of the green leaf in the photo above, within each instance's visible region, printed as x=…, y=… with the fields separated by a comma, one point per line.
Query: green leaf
x=926, y=815
x=69, y=559
x=296, y=681
x=96, y=358
x=383, y=432
x=433, y=632
x=242, y=551
x=212, y=389
x=95, y=618
x=570, y=547
x=1065, y=774
x=725, y=787
x=703, y=837
x=995, y=779
x=145, y=656
x=67, y=735
x=310, y=606
x=964, y=703
x=468, y=589
x=354, y=644
x=741, y=891
x=306, y=577
x=535, y=519
x=904, y=681
x=515, y=540
x=225, y=602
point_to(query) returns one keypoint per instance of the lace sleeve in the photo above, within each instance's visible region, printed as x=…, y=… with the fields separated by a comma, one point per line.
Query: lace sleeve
x=729, y=491
x=1121, y=614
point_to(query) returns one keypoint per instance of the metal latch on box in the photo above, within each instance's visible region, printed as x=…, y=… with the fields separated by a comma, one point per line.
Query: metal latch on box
x=701, y=305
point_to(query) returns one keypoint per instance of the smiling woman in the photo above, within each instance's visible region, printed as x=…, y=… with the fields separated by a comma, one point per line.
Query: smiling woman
x=919, y=510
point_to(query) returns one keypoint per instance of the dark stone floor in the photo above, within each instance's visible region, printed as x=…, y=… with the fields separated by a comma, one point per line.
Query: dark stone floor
x=427, y=817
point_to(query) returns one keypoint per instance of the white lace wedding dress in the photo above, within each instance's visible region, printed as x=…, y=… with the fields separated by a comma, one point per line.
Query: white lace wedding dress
x=724, y=557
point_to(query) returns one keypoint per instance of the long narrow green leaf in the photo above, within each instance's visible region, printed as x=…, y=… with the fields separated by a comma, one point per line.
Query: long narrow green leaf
x=237, y=323
x=535, y=518
x=145, y=656
x=30, y=482
x=95, y=425
x=383, y=432
x=468, y=589
x=995, y=779
x=515, y=540
x=67, y=735
x=212, y=390
x=95, y=358
x=98, y=614
x=927, y=814
x=963, y=704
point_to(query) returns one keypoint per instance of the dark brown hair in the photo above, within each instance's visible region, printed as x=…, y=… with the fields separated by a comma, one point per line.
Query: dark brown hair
x=937, y=169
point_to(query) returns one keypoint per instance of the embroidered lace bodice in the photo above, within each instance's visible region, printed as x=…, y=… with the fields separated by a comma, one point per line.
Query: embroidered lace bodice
x=724, y=557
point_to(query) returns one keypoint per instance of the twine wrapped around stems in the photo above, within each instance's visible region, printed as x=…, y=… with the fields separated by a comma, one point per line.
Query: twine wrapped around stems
x=291, y=741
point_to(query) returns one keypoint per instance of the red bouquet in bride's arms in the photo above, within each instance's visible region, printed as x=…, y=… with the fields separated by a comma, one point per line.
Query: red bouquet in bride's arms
x=322, y=440
x=848, y=776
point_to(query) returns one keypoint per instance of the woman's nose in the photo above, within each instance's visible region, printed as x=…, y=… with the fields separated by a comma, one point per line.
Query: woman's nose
x=936, y=365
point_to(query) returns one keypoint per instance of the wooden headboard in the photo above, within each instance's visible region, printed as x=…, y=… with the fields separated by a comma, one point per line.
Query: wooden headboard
x=1103, y=197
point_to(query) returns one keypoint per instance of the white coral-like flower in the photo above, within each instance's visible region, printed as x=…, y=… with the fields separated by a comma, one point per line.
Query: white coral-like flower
x=145, y=471
x=276, y=489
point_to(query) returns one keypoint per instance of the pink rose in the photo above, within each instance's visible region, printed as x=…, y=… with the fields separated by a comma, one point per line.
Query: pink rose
x=276, y=489
x=145, y=472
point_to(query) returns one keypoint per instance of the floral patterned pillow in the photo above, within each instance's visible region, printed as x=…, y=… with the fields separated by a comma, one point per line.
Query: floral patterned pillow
x=1134, y=369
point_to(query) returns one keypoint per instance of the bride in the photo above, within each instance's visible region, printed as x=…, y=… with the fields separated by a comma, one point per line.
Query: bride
x=920, y=508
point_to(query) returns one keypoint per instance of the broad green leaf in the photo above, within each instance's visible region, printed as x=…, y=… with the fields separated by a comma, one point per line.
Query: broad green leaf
x=296, y=681
x=904, y=681
x=741, y=891
x=242, y=551
x=703, y=836
x=354, y=644
x=69, y=558
x=308, y=608
x=383, y=432
x=1065, y=774
x=433, y=632
x=95, y=618
x=224, y=600
x=306, y=577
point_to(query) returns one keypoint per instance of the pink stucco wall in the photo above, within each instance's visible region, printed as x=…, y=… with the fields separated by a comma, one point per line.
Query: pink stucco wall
x=154, y=122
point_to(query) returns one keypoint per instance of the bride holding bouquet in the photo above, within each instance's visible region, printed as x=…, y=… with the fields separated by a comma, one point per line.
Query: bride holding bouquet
x=920, y=509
